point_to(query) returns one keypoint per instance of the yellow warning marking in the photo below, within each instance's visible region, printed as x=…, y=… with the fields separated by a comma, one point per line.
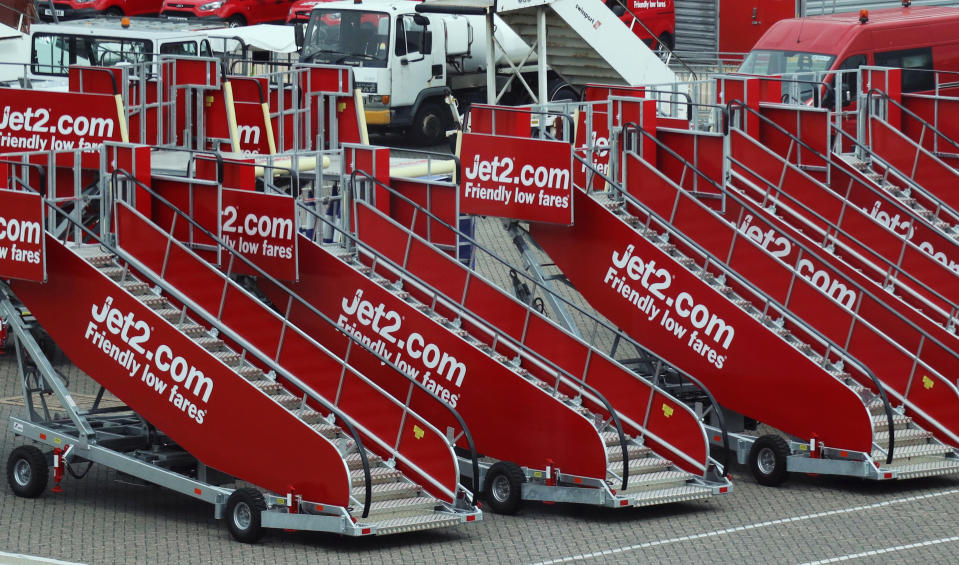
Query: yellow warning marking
x=804, y=447
x=281, y=501
x=538, y=474
x=667, y=410
x=927, y=383
x=57, y=440
x=418, y=432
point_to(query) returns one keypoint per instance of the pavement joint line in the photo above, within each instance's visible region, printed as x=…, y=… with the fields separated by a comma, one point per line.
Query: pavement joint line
x=755, y=526
x=882, y=551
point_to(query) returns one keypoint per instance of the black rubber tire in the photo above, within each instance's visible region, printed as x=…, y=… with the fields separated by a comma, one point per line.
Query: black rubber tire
x=431, y=123
x=503, y=487
x=243, y=515
x=114, y=11
x=236, y=20
x=27, y=471
x=767, y=460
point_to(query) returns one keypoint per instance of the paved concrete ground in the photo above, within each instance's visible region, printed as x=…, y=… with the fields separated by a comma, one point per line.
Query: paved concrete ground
x=825, y=519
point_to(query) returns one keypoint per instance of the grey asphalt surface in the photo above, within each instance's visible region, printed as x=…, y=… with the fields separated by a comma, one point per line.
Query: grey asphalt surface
x=102, y=519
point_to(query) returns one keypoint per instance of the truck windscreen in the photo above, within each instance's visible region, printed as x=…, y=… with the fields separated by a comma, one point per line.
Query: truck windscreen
x=347, y=38
x=52, y=54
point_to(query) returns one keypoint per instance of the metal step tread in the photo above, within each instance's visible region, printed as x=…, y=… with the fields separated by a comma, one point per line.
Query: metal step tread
x=645, y=480
x=674, y=494
x=410, y=503
x=615, y=452
x=354, y=461
x=378, y=475
x=907, y=451
x=641, y=465
x=387, y=489
x=925, y=469
x=902, y=435
x=415, y=523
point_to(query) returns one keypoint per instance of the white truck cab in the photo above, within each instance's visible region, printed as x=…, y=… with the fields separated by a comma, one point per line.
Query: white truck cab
x=405, y=62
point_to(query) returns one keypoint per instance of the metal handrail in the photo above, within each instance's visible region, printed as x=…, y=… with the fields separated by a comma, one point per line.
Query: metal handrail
x=758, y=293
x=260, y=273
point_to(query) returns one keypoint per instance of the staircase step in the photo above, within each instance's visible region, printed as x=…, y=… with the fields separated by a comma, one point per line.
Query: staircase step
x=135, y=287
x=229, y=358
x=329, y=430
x=881, y=423
x=287, y=400
x=171, y=315
x=268, y=386
x=675, y=494
x=924, y=469
x=615, y=452
x=354, y=461
x=416, y=523
x=309, y=416
x=657, y=480
x=640, y=465
x=904, y=438
x=191, y=330
x=208, y=342
x=907, y=452
x=251, y=373
x=388, y=491
x=378, y=476
x=394, y=509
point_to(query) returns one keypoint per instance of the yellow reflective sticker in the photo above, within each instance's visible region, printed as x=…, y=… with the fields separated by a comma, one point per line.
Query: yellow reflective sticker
x=57, y=440
x=418, y=432
x=927, y=383
x=667, y=410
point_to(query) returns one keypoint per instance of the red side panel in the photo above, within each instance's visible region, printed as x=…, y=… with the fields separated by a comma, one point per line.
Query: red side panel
x=216, y=429
x=297, y=353
x=509, y=417
x=749, y=369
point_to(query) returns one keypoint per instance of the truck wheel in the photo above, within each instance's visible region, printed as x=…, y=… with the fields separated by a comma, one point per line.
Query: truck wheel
x=504, y=487
x=113, y=11
x=430, y=124
x=27, y=471
x=243, y=510
x=767, y=460
x=236, y=20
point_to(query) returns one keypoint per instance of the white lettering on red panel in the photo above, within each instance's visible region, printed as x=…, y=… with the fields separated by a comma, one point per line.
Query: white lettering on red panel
x=386, y=341
x=710, y=337
x=126, y=340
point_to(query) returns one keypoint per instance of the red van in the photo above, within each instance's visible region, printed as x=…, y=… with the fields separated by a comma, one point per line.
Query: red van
x=917, y=39
x=234, y=12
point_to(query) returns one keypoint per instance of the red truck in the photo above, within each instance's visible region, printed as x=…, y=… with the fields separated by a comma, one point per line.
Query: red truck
x=234, y=12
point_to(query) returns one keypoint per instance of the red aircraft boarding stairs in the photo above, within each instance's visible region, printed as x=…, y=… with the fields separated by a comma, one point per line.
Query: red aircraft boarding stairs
x=363, y=463
x=699, y=308
x=517, y=403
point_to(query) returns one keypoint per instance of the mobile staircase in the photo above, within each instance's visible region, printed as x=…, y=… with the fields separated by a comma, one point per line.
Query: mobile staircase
x=155, y=325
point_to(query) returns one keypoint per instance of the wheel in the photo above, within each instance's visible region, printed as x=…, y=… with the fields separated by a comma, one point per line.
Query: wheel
x=504, y=487
x=236, y=20
x=113, y=11
x=430, y=124
x=243, y=510
x=27, y=471
x=767, y=460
